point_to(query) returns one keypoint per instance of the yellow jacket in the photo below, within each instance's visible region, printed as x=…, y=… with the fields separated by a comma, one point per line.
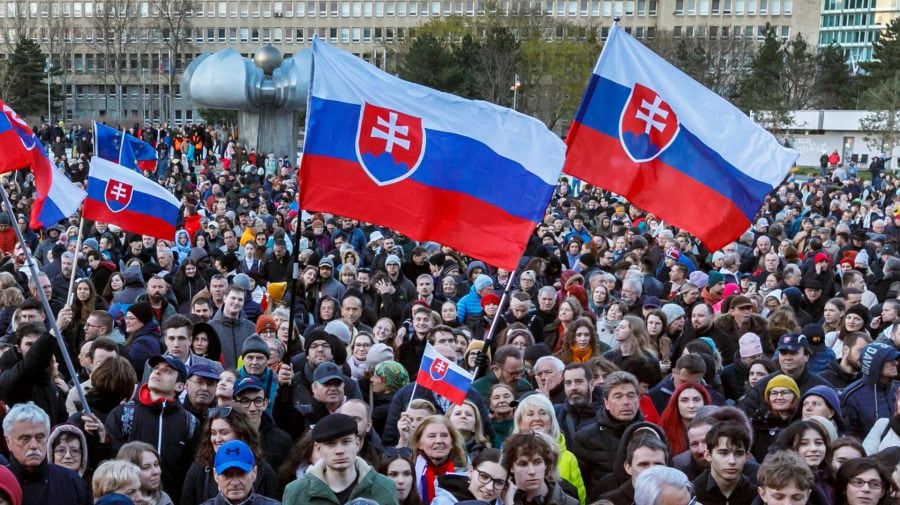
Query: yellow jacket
x=569, y=470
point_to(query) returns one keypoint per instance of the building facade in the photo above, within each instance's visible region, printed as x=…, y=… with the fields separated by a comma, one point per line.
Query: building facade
x=78, y=34
x=856, y=25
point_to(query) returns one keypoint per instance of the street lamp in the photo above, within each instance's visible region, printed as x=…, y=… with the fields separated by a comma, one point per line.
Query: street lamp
x=48, y=66
x=515, y=89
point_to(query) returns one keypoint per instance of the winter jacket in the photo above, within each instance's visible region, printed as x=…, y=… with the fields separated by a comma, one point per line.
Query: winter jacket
x=200, y=487
x=28, y=379
x=134, y=287
x=468, y=308
x=145, y=345
x=51, y=484
x=182, y=252
x=167, y=310
x=595, y=447
x=831, y=398
x=882, y=435
x=572, y=418
x=232, y=333
x=254, y=499
x=555, y=496
x=568, y=469
x=165, y=425
x=734, y=378
x=484, y=385
x=312, y=489
x=837, y=377
x=869, y=399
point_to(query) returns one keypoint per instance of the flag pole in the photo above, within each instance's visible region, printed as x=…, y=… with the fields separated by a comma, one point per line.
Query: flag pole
x=69, y=296
x=490, y=335
x=413, y=395
x=292, y=282
x=29, y=260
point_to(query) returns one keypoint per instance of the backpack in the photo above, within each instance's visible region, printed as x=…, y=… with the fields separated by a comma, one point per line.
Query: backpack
x=128, y=420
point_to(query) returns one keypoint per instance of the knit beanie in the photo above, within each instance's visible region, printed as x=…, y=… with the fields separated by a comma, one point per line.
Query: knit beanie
x=750, y=345
x=255, y=343
x=782, y=381
x=265, y=323
x=698, y=279
x=672, y=311
x=714, y=278
x=9, y=486
x=143, y=311
x=338, y=350
x=482, y=281
x=378, y=353
x=861, y=311
x=340, y=330
x=489, y=299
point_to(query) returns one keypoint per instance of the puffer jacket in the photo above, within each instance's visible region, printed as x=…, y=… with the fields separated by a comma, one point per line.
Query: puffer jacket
x=869, y=399
x=312, y=489
x=569, y=470
x=468, y=308
x=165, y=425
x=595, y=447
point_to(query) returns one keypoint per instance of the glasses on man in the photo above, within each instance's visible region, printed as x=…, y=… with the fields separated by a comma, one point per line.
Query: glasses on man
x=484, y=478
x=259, y=402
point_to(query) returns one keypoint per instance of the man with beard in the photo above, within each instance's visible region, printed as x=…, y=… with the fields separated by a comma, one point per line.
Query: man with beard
x=702, y=319
x=328, y=285
x=739, y=320
x=580, y=408
x=157, y=295
x=763, y=247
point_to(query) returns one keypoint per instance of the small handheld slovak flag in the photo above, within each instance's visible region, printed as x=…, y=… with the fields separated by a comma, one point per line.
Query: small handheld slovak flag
x=441, y=376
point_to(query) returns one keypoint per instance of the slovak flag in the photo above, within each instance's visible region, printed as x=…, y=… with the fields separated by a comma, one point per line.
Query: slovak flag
x=124, y=149
x=467, y=174
x=18, y=142
x=648, y=132
x=441, y=376
x=127, y=199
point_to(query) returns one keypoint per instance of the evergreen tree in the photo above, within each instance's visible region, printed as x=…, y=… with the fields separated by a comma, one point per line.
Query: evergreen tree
x=886, y=57
x=429, y=62
x=835, y=88
x=761, y=91
x=27, y=84
x=692, y=59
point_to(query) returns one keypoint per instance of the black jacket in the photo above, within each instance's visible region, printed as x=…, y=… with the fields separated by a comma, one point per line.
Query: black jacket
x=595, y=447
x=572, y=418
x=28, y=379
x=838, y=378
x=51, y=484
x=167, y=426
x=199, y=485
x=753, y=402
x=734, y=378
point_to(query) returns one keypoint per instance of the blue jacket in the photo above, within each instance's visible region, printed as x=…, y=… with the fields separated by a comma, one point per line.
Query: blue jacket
x=469, y=306
x=868, y=399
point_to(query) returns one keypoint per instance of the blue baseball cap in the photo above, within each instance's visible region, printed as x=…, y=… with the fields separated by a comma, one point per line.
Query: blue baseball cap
x=204, y=370
x=248, y=384
x=234, y=454
x=173, y=362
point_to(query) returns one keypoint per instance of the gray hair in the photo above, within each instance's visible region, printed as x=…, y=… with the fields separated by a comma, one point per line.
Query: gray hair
x=281, y=312
x=69, y=255
x=635, y=285
x=891, y=266
x=553, y=360
x=650, y=483
x=547, y=290
x=25, y=413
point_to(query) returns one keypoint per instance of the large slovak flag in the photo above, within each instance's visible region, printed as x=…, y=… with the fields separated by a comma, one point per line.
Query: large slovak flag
x=127, y=199
x=18, y=142
x=467, y=174
x=442, y=376
x=124, y=149
x=650, y=133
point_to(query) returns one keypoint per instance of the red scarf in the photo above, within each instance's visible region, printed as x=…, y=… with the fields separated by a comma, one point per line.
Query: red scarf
x=431, y=474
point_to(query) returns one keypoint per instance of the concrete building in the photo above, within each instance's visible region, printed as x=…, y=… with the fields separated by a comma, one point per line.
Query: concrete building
x=856, y=25
x=813, y=132
x=69, y=30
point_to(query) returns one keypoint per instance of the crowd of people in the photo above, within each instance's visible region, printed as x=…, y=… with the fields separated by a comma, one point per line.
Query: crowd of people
x=621, y=363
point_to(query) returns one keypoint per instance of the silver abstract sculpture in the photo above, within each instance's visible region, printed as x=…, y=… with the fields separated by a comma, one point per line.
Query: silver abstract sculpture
x=266, y=92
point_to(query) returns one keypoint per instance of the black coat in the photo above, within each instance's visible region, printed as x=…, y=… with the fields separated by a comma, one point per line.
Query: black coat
x=595, y=447
x=734, y=378
x=28, y=379
x=199, y=485
x=51, y=484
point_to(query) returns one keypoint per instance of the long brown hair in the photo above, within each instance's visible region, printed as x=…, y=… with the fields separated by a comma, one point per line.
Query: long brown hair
x=239, y=423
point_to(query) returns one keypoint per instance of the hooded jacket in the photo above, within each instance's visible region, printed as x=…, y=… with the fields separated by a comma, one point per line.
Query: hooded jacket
x=232, y=332
x=734, y=378
x=165, y=425
x=312, y=488
x=134, y=287
x=831, y=399
x=869, y=399
x=68, y=428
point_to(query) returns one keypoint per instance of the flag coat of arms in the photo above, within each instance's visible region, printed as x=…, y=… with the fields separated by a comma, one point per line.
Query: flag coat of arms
x=647, y=131
x=442, y=376
x=125, y=198
x=467, y=174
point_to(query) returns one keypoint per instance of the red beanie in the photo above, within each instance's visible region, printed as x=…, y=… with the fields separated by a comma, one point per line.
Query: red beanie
x=822, y=257
x=489, y=299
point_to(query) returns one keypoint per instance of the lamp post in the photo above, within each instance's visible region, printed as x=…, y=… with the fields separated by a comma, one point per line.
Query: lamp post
x=48, y=66
x=515, y=90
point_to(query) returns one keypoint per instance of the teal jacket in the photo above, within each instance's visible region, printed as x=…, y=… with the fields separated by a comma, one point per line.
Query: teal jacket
x=312, y=489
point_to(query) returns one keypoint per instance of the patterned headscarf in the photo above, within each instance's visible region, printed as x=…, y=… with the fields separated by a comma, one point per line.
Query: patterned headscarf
x=394, y=375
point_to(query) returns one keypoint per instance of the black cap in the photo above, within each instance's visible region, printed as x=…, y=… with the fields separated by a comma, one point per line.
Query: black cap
x=333, y=426
x=173, y=362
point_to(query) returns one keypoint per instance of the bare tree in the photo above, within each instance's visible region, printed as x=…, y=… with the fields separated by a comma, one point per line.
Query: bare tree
x=15, y=25
x=117, y=26
x=59, y=47
x=172, y=20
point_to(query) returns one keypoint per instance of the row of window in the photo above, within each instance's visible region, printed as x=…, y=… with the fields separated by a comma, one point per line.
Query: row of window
x=839, y=5
x=343, y=8
x=724, y=32
x=740, y=7
x=844, y=37
x=835, y=20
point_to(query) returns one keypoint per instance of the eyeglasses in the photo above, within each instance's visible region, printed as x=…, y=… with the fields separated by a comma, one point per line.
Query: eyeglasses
x=219, y=411
x=782, y=394
x=259, y=402
x=484, y=478
x=874, y=485
x=76, y=453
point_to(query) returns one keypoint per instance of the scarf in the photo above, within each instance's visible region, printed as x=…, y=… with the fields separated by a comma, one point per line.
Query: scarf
x=430, y=474
x=581, y=355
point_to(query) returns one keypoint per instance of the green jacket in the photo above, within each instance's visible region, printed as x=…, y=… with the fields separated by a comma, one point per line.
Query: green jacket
x=312, y=489
x=484, y=385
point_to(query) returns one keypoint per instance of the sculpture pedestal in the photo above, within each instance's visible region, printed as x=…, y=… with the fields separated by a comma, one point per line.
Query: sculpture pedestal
x=270, y=130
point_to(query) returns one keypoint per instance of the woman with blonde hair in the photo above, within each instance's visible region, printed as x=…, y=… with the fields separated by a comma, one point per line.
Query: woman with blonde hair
x=468, y=422
x=437, y=449
x=146, y=458
x=535, y=413
x=117, y=477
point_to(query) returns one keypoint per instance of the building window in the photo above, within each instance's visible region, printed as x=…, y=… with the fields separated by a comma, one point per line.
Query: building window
x=676, y=31
x=788, y=7
x=679, y=7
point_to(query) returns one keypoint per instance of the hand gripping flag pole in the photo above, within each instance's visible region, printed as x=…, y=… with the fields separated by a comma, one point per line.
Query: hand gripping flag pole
x=503, y=299
x=32, y=266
